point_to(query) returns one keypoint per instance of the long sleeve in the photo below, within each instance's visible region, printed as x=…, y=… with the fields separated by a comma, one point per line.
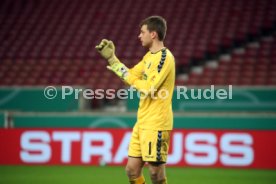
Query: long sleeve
x=155, y=78
x=137, y=71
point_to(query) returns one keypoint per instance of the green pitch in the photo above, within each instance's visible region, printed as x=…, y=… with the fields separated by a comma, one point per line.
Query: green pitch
x=116, y=175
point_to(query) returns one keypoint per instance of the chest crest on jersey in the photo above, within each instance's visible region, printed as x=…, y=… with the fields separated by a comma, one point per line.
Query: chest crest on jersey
x=148, y=66
x=145, y=76
x=147, y=69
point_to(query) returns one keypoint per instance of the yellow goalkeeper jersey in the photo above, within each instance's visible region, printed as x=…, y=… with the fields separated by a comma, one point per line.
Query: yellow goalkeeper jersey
x=154, y=78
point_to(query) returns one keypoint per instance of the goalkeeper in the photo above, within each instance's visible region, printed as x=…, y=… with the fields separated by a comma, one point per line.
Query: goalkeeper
x=153, y=74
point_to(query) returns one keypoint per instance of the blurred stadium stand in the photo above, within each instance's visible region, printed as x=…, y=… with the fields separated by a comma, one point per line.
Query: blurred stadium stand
x=52, y=42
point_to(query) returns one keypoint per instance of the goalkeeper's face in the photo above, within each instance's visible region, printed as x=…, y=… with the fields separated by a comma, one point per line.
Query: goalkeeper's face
x=146, y=37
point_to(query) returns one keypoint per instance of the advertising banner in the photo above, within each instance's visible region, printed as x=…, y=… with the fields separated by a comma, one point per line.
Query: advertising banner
x=193, y=148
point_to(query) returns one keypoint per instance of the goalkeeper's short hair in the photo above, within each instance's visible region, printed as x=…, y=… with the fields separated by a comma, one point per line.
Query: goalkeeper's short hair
x=156, y=23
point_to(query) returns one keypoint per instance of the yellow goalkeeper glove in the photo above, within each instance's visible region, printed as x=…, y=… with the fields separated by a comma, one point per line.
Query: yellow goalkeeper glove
x=119, y=69
x=107, y=50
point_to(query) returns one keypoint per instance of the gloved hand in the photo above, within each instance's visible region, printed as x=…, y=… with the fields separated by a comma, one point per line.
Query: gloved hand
x=119, y=69
x=107, y=50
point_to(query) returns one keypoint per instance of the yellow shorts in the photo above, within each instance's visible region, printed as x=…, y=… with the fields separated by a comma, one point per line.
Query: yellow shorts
x=151, y=145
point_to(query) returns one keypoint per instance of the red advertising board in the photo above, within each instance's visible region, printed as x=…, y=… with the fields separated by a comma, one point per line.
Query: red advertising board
x=208, y=148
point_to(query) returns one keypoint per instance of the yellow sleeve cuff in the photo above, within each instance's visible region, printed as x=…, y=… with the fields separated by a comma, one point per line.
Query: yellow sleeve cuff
x=130, y=79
